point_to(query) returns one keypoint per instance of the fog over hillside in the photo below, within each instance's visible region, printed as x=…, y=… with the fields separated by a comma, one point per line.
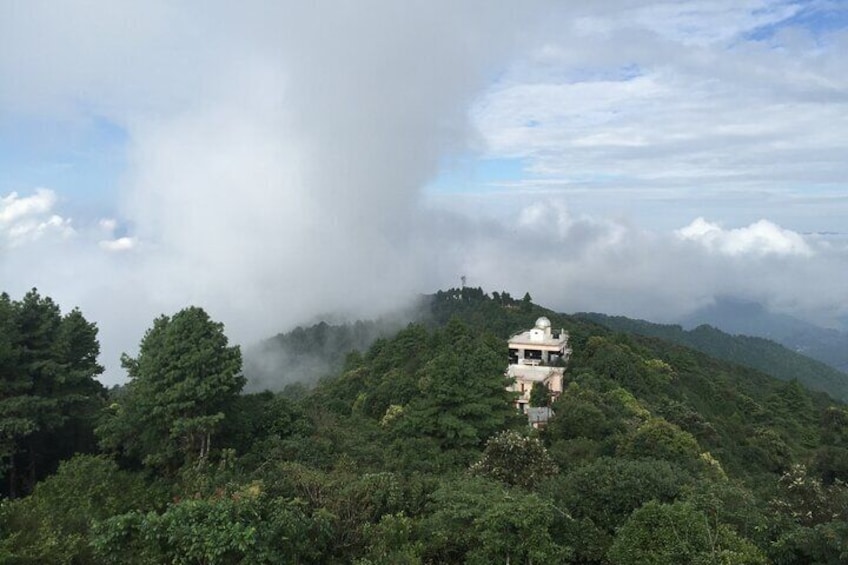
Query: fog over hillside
x=278, y=159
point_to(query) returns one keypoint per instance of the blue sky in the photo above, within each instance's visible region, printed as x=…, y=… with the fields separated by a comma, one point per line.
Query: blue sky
x=82, y=161
x=638, y=158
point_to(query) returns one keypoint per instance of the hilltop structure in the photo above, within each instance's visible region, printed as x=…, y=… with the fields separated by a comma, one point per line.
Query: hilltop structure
x=537, y=356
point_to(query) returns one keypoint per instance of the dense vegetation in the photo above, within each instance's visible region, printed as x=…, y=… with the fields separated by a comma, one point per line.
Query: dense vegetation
x=412, y=453
x=49, y=397
x=755, y=352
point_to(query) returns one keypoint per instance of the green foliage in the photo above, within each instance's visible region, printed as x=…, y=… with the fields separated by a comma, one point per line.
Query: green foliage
x=607, y=490
x=831, y=464
x=193, y=531
x=592, y=409
x=729, y=502
x=387, y=375
x=237, y=525
x=669, y=534
x=806, y=501
x=834, y=424
x=659, y=439
x=53, y=524
x=183, y=383
x=754, y=352
x=540, y=395
x=824, y=544
x=447, y=386
x=515, y=459
x=353, y=503
x=500, y=314
x=478, y=522
x=462, y=398
x=392, y=541
x=812, y=518
x=666, y=455
x=48, y=391
x=256, y=421
x=770, y=450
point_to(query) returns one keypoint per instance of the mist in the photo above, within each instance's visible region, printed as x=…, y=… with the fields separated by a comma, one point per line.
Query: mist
x=278, y=162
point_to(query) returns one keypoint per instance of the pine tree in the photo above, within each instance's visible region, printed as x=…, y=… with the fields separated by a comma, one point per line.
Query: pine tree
x=49, y=394
x=183, y=382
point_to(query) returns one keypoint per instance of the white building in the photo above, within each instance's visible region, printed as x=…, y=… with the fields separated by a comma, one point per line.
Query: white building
x=537, y=356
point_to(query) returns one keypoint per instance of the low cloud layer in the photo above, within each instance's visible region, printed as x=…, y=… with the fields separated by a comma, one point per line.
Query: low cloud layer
x=277, y=158
x=587, y=264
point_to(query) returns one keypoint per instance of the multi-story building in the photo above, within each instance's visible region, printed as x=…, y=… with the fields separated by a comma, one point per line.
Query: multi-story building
x=537, y=356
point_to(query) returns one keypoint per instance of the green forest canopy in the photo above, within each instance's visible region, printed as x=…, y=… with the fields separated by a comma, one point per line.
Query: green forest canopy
x=411, y=452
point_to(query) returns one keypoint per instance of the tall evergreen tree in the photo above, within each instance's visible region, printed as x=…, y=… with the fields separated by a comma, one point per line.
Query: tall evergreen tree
x=49, y=394
x=183, y=382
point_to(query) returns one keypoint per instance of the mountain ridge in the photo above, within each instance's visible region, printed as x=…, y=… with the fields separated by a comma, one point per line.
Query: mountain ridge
x=756, y=352
x=743, y=317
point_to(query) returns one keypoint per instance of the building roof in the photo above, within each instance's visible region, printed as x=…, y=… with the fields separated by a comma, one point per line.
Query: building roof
x=544, y=341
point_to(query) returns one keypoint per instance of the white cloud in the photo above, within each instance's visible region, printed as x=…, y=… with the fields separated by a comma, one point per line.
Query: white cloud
x=688, y=97
x=760, y=238
x=703, y=22
x=14, y=208
x=28, y=218
x=119, y=244
x=616, y=267
x=277, y=153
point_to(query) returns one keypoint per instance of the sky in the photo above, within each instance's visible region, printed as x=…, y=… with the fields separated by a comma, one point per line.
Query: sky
x=275, y=162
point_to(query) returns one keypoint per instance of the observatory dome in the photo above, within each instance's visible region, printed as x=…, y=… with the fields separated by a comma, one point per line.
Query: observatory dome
x=543, y=323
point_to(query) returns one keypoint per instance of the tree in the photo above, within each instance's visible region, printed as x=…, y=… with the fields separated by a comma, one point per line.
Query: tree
x=515, y=460
x=13, y=421
x=659, y=439
x=477, y=521
x=526, y=302
x=667, y=534
x=49, y=394
x=53, y=524
x=462, y=399
x=540, y=395
x=182, y=384
x=608, y=490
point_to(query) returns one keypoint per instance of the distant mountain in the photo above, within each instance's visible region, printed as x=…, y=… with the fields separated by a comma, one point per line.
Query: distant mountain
x=740, y=317
x=755, y=352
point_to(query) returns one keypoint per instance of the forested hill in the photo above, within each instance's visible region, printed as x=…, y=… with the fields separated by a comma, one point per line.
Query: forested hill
x=305, y=354
x=758, y=353
x=412, y=452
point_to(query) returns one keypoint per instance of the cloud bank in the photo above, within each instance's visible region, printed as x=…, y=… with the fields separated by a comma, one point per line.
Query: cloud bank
x=277, y=157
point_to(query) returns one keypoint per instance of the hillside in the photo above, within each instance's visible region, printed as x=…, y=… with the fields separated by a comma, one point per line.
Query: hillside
x=305, y=354
x=758, y=353
x=412, y=453
x=738, y=317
